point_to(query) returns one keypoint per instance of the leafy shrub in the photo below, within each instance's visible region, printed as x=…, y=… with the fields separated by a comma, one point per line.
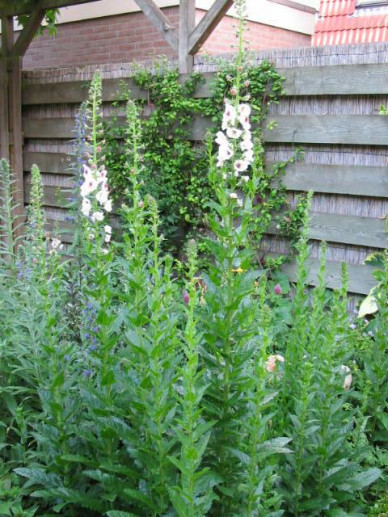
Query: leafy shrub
x=135, y=385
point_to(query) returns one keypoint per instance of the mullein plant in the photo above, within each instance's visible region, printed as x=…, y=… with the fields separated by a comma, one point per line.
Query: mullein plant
x=323, y=472
x=235, y=324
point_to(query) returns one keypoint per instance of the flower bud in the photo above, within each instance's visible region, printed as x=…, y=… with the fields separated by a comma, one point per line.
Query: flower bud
x=186, y=297
x=278, y=289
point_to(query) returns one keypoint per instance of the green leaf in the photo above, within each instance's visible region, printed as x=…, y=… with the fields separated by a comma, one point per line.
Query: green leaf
x=135, y=495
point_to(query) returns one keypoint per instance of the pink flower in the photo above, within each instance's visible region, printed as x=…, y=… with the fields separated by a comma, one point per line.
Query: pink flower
x=186, y=297
x=278, y=289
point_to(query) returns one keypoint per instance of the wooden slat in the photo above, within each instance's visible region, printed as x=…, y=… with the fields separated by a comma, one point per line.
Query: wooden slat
x=361, y=279
x=337, y=179
x=54, y=163
x=319, y=81
x=330, y=129
x=49, y=128
x=356, y=230
x=77, y=91
x=334, y=179
x=315, y=129
x=55, y=197
x=337, y=80
x=346, y=229
x=64, y=229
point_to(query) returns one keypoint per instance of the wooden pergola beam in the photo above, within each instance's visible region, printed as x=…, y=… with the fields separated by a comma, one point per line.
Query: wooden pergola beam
x=13, y=8
x=28, y=32
x=160, y=21
x=208, y=23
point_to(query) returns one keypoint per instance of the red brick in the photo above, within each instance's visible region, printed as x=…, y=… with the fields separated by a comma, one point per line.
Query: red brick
x=132, y=37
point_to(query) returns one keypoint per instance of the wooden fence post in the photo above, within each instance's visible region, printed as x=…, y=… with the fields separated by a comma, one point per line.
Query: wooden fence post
x=11, y=138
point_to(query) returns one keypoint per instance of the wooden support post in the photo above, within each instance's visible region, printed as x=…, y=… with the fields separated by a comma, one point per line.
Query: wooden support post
x=160, y=21
x=11, y=117
x=186, y=27
x=208, y=23
x=4, y=123
x=16, y=139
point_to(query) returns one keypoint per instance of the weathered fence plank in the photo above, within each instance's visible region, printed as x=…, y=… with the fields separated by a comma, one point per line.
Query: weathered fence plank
x=347, y=229
x=298, y=129
x=361, y=279
x=360, y=231
x=336, y=80
x=54, y=163
x=335, y=179
x=306, y=81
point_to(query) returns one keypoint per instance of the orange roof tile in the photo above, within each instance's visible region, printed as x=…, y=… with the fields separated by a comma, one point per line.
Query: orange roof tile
x=340, y=23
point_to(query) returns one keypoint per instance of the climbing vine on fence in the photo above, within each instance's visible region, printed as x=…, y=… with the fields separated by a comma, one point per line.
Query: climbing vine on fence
x=175, y=167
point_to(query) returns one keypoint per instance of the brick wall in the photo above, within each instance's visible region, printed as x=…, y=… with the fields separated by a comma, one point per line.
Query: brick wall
x=260, y=37
x=129, y=37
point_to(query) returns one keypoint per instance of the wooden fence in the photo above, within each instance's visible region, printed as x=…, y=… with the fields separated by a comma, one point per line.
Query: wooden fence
x=330, y=110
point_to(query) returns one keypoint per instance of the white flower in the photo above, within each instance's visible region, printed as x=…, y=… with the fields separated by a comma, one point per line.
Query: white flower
x=102, y=196
x=86, y=207
x=245, y=178
x=107, y=229
x=104, y=251
x=233, y=195
x=240, y=202
x=88, y=186
x=87, y=171
x=233, y=132
x=246, y=144
x=230, y=115
x=348, y=378
x=56, y=243
x=102, y=175
x=225, y=152
x=241, y=165
x=248, y=156
x=221, y=138
x=108, y=206
x=224, y=176
x=107, y=237
x=244, y=111
x=97, y=216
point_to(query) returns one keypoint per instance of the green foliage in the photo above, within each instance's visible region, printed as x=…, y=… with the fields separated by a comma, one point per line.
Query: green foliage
x=49, y=21
x=133, y=385
x=175, y=167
